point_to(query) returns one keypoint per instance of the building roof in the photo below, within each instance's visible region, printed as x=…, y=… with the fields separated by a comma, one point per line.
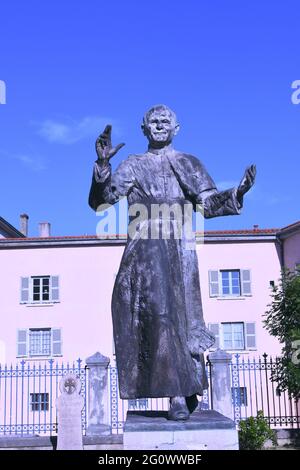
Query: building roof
x=254, y=231
x=285, y=232
x=8, y=231
x=16, y=239
x=71, y=240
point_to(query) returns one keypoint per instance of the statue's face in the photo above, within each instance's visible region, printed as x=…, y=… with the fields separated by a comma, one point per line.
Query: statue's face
x=160, y=127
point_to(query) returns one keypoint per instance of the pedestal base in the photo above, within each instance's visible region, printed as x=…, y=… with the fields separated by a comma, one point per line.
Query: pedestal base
x=98, y=430
x=205, y=430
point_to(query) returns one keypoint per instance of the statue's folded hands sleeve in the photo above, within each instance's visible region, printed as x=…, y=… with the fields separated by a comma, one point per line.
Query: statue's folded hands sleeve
x=219, y=203
x=201, y=190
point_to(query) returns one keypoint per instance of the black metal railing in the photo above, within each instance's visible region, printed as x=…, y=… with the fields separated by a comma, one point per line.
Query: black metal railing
x=253, y=389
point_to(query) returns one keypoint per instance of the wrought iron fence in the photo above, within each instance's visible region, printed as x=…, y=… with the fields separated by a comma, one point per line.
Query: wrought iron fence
x=253, y=390
x=28, y=393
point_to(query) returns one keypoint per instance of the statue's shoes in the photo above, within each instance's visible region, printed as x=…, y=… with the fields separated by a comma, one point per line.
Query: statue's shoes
x=178, y=412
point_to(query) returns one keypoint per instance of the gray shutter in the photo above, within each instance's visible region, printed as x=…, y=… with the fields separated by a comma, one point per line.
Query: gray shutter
x=24, y=297
x=213, y=283
x=55, y=288
x=246, y=282
x=214, y=328
x=56, y=342
x=22, y=343
x=250, y=335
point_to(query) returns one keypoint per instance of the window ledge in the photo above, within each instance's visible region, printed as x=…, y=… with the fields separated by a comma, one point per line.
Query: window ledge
x=39, y=358
x=236, y=351
x=240, y=351
x=42, y=304
x=232, y=297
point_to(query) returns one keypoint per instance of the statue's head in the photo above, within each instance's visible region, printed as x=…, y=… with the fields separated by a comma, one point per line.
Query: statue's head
x=160, y=125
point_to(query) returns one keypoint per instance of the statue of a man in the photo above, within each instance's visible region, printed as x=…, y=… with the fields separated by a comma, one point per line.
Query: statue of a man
x=159, y=332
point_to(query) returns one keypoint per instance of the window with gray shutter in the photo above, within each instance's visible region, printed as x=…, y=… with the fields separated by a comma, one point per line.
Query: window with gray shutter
x=215, y=330
x=39, y=289
x=24, y=297
x=22, y=343
x=250, y=335
x=56, y=342
x=246, y=282
x=233, y=336
x=213, y=283
x=54, y=288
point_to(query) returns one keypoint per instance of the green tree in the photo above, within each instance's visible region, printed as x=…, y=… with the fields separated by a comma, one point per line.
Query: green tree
x=282, y=320
x=254, y=432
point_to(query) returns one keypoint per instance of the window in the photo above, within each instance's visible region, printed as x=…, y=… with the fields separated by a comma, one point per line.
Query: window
x=37, y=342
x=239, y=396
x=39, y=401
x=235, y=336
x=39, y=289
x=230, y=283
x=40, y=342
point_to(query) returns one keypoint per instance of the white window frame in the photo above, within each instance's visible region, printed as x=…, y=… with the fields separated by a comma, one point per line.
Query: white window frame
x=232, y=336
x=27, y=290
x=230, y=271
x=23, y=343
x=216, y=285
x=249, y=336
x=38, y=336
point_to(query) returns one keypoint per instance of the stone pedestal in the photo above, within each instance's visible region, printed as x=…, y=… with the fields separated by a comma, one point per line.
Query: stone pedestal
x=98, y=398
x=221, y=382
x=205, y=430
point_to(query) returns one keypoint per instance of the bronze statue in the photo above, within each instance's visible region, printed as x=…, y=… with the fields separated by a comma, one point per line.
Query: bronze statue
x=159, y=332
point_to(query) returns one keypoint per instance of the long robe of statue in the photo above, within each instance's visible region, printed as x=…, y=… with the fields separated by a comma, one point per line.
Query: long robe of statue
x=159, y=331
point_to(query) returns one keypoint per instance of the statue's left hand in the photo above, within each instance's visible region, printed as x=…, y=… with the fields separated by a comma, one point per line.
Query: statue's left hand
x=247, y=181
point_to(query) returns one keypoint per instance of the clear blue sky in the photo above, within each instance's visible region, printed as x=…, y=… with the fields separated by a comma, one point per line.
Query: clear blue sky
x=70, y=67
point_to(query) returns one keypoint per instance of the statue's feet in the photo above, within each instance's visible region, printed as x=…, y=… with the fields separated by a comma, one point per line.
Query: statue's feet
x=178, y=410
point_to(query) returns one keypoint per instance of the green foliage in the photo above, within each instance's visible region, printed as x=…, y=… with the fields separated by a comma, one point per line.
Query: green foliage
x=254, y=432
x=282, y=320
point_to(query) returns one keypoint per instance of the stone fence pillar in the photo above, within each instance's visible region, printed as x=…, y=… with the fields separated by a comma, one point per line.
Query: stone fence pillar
x=221, y=382
x=98, y=399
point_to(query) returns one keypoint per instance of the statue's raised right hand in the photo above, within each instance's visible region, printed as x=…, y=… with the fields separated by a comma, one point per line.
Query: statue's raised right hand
x=104, y=147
